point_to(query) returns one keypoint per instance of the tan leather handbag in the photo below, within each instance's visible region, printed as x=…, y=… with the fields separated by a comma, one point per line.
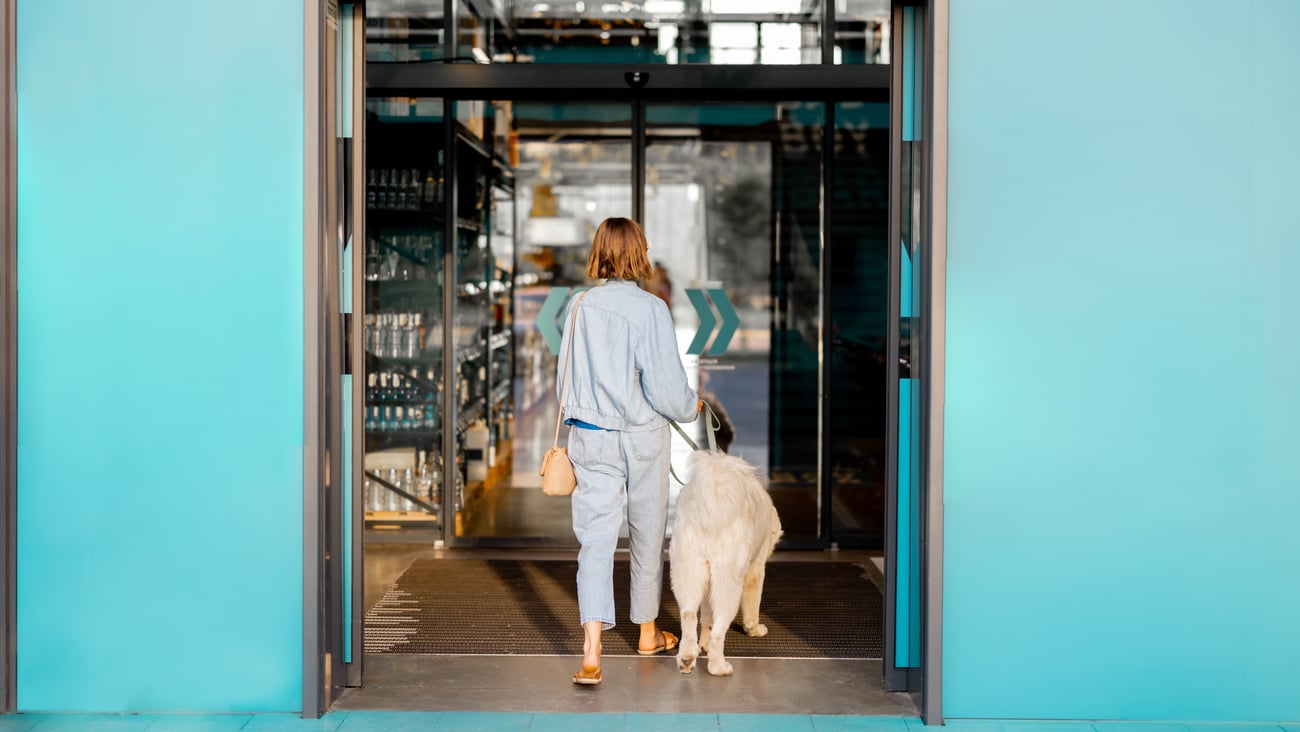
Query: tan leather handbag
x=557, y=470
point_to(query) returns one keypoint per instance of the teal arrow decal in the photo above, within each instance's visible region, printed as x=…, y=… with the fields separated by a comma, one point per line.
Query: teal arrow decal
x=707, y=321
x=547, y=315
x=730, y=321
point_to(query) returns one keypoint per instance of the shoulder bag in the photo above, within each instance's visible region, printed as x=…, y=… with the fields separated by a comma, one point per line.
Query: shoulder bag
x=557, y=470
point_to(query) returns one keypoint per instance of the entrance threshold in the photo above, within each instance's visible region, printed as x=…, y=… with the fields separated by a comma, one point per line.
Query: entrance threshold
x=518, y=678
x=540, y=684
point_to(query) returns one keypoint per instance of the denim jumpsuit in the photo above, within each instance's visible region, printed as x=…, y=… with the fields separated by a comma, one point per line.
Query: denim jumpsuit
x=625, y=379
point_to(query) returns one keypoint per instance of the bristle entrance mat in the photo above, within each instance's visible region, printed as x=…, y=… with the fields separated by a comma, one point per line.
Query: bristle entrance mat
x=526, y=607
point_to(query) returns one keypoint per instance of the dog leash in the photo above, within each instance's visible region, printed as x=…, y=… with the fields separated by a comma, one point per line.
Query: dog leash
x=712, y=426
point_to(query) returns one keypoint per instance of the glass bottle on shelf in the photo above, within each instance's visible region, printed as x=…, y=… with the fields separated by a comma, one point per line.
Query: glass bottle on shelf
x=435, y=478
x=394, y=188
x=405, y=267
x=413, y=191
x=372, y=259
x=402, y=183
x=411, y=337
x=430, y=191
x=397, y=347
x=385, y=335
x=372, y=183
x=392, y=502
x=388, y=265
x=442, y=180
x=408, y=485
x=382, y=194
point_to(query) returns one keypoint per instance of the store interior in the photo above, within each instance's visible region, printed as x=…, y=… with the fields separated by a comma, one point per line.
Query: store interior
x=732, y=210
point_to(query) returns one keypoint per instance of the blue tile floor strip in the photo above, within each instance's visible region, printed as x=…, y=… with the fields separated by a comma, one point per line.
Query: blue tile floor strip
x=504, y=722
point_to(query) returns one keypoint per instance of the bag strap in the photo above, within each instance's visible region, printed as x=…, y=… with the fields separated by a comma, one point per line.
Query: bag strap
x=568, y=357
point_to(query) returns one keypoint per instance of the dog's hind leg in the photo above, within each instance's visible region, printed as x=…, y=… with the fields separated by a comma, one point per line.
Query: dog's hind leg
x=706, y=620
x=750, y=597
x=724, y=599
x=690, y=583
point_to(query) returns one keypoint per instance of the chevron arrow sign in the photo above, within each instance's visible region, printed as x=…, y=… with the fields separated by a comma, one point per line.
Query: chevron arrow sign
x=705, y=301
x=726, y=313
x=548, y=317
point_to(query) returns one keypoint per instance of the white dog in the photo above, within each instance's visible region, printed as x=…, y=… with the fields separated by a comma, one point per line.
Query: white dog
x=725, y=530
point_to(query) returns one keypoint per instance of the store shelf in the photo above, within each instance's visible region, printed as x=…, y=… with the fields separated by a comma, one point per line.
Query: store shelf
x=416, y=219
x=427, y=357
x=415, y=284
x=400, y=517
x=398, y=402
x=472, y=141
x=404, y=438
x=420, y=236
x=502, y=392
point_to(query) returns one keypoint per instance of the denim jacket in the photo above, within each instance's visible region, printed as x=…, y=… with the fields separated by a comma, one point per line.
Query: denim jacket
x=626, y=374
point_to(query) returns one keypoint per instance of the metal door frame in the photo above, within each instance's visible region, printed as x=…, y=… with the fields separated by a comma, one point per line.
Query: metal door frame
x=928, y=339
x=827, y=83
x=328, y=351
x=9, y=358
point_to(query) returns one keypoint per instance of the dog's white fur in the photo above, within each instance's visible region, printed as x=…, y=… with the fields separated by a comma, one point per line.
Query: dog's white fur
x=725, y=530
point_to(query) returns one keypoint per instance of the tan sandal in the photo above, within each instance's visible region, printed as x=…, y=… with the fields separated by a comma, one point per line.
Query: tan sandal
x=669, y=644
x=587, y=676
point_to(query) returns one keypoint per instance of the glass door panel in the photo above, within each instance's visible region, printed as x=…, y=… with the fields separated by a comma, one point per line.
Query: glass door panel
x=859, y=297
x=533, y=182
x=733, y=215
x=403, y=318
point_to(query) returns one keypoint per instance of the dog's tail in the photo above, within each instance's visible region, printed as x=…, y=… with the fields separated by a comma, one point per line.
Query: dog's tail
x=719, y=488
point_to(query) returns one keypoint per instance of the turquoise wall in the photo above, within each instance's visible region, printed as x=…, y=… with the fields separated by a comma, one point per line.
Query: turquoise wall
x=160, y=355
x=1123, y=374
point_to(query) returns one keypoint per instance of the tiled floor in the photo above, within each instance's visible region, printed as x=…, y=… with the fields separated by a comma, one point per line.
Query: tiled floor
x=507, y=722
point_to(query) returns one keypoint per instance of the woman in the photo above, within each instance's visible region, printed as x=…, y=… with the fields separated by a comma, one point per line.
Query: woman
x=625, y=381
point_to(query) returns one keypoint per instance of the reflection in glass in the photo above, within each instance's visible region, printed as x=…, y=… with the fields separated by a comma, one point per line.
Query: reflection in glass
x=862, y=31
x=733, y=217
x=627, y=32
x=859, y=279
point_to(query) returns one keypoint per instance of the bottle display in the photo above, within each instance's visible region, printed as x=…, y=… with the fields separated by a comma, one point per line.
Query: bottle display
x=404, y=189
x=424, y=363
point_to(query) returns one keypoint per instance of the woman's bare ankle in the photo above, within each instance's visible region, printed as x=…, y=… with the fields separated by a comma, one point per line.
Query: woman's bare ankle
x=591, y=645
x=649, y=636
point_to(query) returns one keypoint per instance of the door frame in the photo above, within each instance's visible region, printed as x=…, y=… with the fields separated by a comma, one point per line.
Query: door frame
x=593, y=83
x=9, y=357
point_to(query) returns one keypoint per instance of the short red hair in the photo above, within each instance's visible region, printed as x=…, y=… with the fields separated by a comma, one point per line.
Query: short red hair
x=619, y=251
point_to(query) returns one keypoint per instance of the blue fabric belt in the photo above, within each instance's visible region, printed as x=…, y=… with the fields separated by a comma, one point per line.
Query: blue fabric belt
x=584, y=425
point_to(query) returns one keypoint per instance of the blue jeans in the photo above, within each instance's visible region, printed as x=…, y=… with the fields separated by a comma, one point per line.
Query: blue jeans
x=619, y=472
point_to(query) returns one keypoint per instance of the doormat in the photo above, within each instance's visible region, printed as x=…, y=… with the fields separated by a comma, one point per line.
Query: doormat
x=503, y=607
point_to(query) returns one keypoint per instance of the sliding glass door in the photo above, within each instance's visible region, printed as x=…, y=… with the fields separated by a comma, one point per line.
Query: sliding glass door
x=480, y=215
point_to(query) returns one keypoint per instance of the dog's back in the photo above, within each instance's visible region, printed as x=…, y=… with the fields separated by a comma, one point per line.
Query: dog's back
x=719, y=510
